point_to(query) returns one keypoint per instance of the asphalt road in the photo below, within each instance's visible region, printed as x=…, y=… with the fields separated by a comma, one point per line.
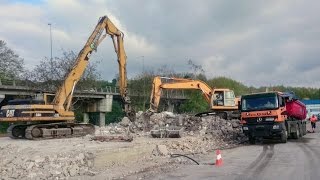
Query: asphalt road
x=295, y=160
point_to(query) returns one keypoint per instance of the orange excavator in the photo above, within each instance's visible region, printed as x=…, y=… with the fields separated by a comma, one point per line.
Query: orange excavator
x=40, y=119
x=222, y=102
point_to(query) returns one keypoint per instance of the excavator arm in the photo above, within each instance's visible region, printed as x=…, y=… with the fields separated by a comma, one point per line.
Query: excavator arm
x=63, y=98
x=175, y=83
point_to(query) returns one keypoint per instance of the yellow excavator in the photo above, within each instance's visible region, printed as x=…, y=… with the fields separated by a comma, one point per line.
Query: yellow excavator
x=222, y=102
x=43, y=119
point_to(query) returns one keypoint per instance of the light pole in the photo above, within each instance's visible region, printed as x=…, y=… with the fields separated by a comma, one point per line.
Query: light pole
x=51, y=62
x=144, y=84
x=50, y=42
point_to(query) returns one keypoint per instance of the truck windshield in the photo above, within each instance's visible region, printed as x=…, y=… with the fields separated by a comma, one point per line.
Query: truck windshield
x=256, y=103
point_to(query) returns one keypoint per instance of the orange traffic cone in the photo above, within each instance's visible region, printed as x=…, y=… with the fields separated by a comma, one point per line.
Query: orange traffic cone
x=219, y=158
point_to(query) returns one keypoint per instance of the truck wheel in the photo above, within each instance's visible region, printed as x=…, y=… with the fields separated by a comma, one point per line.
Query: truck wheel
x=252, y=140
x=284, y=136
x=304, y=130
x=301, y=131
x=296, y=134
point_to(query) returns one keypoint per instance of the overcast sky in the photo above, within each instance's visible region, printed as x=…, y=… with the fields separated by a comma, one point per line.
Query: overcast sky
x=258, y=42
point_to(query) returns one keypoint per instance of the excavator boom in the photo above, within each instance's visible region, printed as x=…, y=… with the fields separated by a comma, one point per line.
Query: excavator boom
x=64, y=94
x=176, y=83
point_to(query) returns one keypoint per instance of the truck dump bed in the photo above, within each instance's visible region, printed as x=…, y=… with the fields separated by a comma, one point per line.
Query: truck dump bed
x=296, y=109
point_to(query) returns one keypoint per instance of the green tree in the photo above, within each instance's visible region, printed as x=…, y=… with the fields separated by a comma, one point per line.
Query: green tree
x=50, y=73
x=116, y=114
x=11, y=65
x=224, y=82
x=140, y=90
x=196, y=103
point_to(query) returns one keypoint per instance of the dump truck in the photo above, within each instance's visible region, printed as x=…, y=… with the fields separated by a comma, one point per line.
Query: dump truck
x=272, y=115
x=40, y=119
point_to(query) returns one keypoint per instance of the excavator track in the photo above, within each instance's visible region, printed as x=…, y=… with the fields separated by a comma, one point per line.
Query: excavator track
x=224, y=115
x=49, y=131
x=17, y=131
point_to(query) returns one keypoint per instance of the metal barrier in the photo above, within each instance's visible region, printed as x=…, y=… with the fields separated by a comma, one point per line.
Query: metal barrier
x=7, y=82
x=174, y=94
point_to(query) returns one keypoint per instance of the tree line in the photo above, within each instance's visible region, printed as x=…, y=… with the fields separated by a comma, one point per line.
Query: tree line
x=50, y=73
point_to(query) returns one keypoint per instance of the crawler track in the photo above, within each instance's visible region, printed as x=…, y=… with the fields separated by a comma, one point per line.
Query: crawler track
x=49, y=131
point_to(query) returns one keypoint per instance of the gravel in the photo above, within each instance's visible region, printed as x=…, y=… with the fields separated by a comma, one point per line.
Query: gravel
x=82, y=158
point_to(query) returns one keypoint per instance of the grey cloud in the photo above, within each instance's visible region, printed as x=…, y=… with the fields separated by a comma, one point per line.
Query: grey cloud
x=255, y=42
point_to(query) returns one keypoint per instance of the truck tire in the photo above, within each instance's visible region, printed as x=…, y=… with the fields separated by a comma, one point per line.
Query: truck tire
x=284, y=136
x=296, y=135
x=304, y=129
x=301, y=131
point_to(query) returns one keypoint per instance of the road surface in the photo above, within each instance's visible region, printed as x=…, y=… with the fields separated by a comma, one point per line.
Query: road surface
x=295, y=160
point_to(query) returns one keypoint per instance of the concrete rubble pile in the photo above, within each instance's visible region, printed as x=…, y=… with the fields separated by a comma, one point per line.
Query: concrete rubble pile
x=42, y=166
x=64, y=158
x=200, y=134
x=211, y=134
x=204, y=134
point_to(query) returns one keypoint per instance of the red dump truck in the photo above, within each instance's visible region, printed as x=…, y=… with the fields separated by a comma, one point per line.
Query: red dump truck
x=271, y=115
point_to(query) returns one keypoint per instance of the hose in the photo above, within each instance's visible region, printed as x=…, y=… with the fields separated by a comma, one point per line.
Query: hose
x=179, y=155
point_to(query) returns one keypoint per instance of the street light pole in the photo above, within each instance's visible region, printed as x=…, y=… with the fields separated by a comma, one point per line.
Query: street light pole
x=50, y=42
x=144, y=85
x=51, y=60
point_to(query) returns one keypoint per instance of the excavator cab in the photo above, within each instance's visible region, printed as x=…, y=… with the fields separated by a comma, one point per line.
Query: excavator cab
x=217, y=98
x=37, y=98
x=223, y=97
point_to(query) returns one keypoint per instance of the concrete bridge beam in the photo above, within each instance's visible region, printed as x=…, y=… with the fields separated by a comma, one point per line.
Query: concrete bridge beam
x=101, y=106
x=86, y=117
x=102, y=119
x=170, y=106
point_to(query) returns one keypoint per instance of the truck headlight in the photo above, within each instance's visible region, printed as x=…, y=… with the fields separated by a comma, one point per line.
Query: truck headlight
x=270, y=119
x=276, y=126
x=245, y=128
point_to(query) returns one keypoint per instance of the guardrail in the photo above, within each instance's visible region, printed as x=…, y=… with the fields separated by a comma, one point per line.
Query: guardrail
x=14, y=82
x=7, y=82
x=175, y=94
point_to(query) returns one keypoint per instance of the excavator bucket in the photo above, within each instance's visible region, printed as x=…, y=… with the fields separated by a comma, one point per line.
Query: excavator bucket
x=167, y=132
